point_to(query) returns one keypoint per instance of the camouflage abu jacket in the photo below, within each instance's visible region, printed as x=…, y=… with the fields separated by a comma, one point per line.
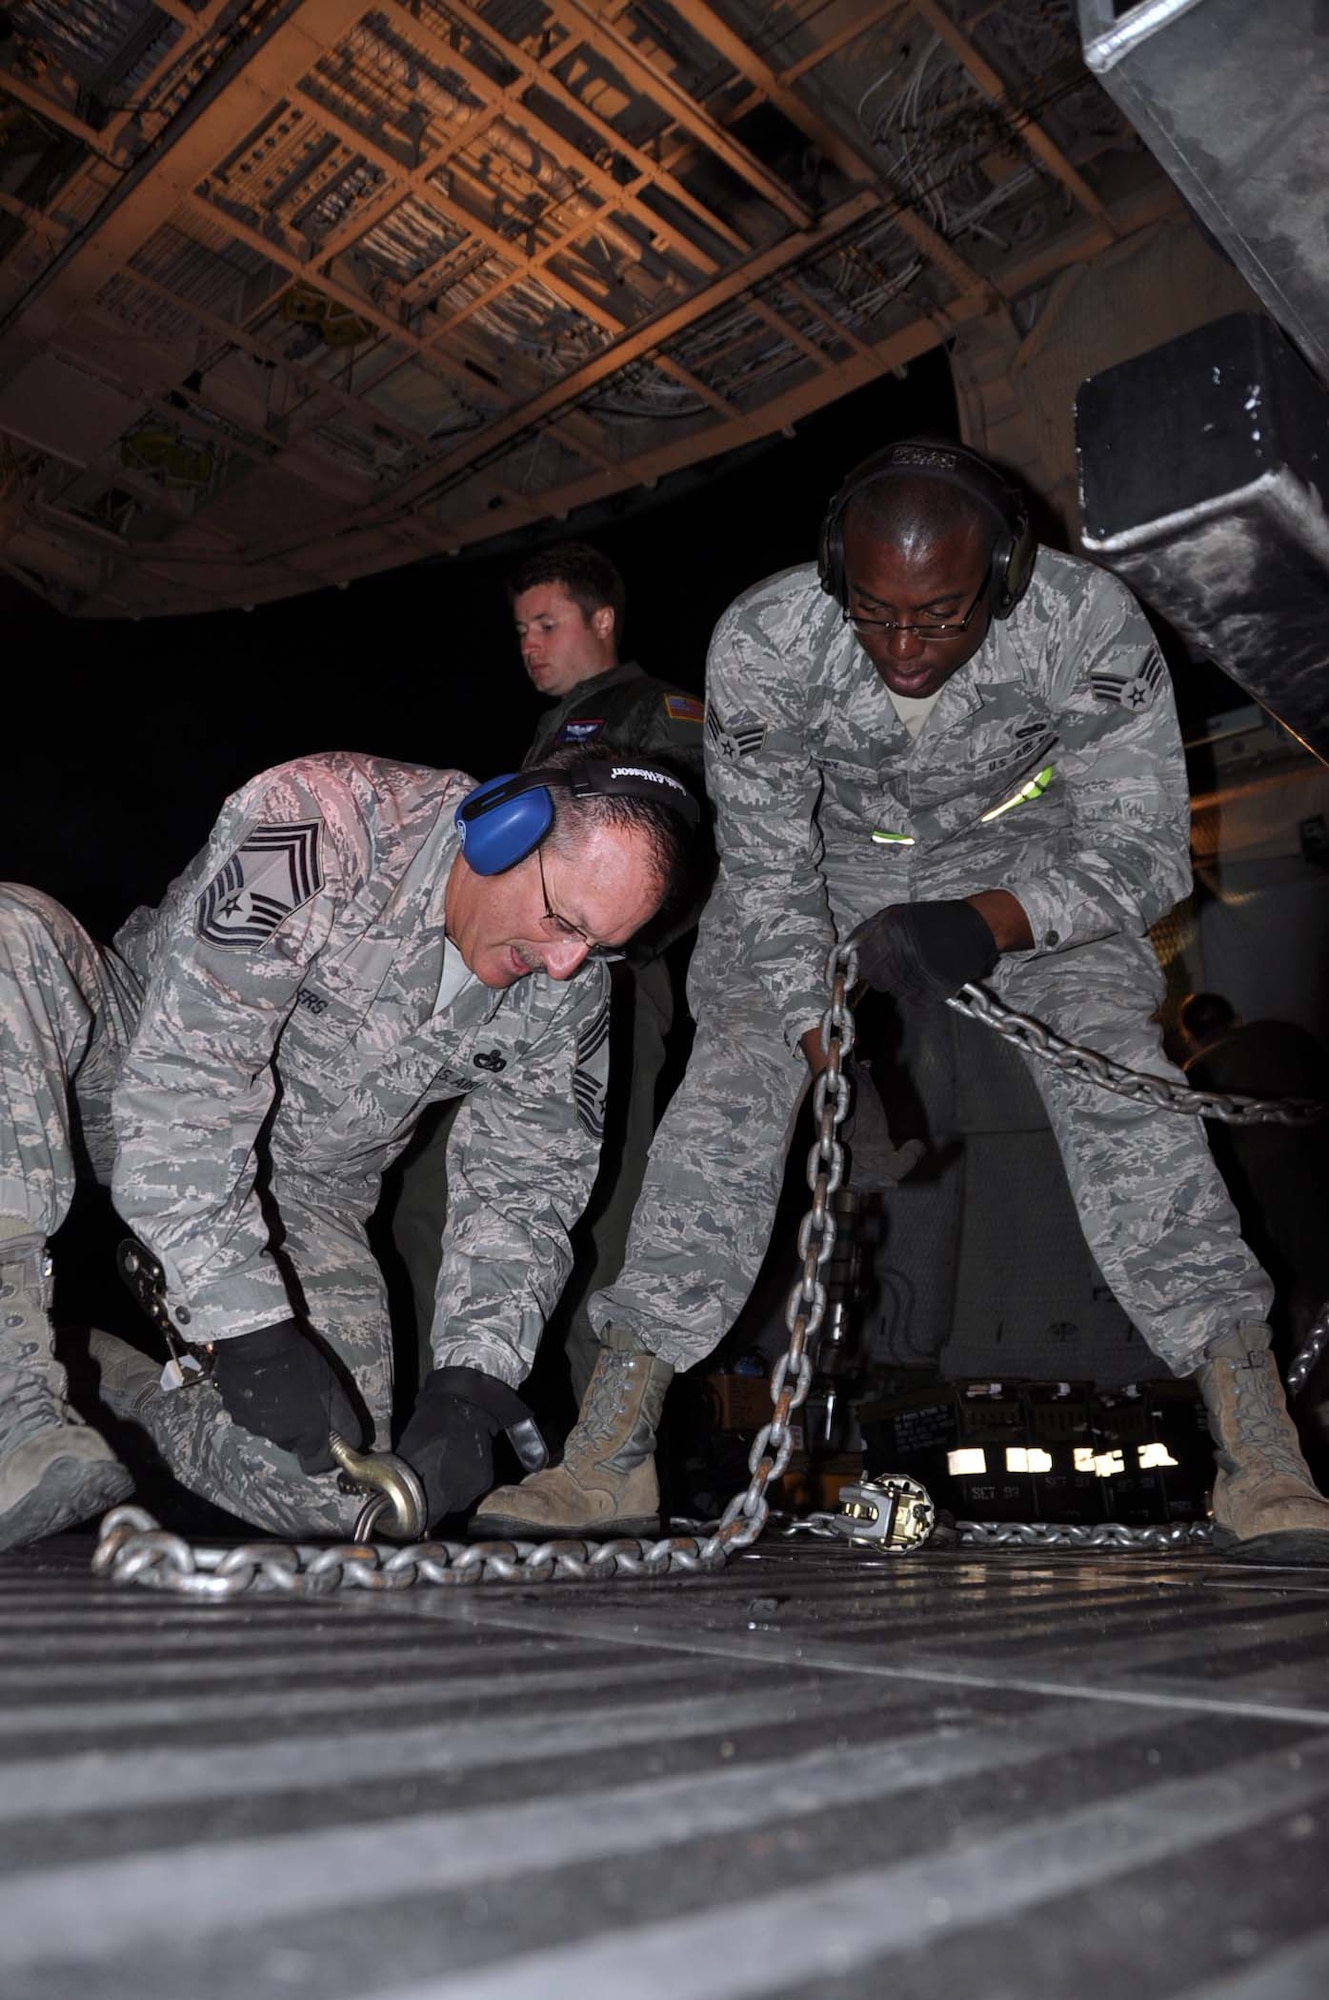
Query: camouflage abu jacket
x=1050, y=766
x=296, y=972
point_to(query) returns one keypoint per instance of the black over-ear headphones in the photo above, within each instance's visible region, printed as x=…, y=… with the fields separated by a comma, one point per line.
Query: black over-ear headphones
x=504, y=820
x=1013, y=551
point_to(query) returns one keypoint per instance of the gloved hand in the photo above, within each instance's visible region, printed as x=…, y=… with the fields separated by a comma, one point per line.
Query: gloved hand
x=279, y=1384
x=449, y=1440
x=875, y=1159
x=924, y=951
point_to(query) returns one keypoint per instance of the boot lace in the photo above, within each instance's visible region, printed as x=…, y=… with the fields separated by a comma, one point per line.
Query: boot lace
x=1262, y=1418
x=605, y=1399
x=28, y=1401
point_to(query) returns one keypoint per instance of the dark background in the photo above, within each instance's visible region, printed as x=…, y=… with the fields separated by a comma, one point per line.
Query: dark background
x=134, y=732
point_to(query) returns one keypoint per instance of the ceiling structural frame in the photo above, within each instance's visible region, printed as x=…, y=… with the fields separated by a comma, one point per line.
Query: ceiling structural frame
x=419, y=180
x=1031, y=133
x=649, y=173
x=292, y=291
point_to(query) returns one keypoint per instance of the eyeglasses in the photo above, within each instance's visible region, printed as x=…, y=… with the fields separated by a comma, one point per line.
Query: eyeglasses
x=924, y=628
x=563, y=927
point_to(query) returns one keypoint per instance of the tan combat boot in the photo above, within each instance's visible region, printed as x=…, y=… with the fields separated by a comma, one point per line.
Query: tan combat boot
x=606, y=1484
x=54, y=1469
x=1266, y=1507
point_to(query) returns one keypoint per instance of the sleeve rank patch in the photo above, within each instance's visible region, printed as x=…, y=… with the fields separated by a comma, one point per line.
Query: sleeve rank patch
x=272, y=874
x=580, y=729
x=1133, y=691
x=588, y=1083
x=732, y=744
x=683, y=708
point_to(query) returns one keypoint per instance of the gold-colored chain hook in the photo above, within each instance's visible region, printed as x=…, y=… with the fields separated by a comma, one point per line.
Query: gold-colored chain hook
x=394, y=1490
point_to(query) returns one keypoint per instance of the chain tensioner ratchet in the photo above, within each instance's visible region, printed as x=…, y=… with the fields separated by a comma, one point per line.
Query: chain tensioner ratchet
x=890, y=1512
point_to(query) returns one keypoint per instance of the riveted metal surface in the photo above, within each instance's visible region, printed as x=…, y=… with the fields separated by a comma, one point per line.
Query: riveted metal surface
x=821, y=1771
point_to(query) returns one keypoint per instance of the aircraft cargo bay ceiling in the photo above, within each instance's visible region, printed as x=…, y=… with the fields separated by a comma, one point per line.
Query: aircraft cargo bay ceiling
x=292, y=291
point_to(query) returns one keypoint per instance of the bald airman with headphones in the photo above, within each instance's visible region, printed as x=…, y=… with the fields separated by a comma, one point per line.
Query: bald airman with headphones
x=358, y=939
x=960, y=750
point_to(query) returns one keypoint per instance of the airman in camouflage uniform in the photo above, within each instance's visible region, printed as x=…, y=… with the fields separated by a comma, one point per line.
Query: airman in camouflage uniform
x=807, y=761
x=327, y=967
x=882, y=761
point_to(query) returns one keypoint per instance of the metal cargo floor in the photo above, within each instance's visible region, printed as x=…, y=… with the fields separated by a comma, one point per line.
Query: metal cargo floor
x=997, y=1776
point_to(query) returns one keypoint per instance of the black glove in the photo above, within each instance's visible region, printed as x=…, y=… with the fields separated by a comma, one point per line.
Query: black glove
x=279, y=1384
x=875, y=1159
x=924, y=951
x=449, y=1440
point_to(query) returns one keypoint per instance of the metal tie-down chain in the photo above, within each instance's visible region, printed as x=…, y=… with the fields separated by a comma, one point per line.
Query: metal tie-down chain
x=1312, y=1347
x=1091, y=1066
x=1087, y=1535
x=839, y=1527
x=133, y=1549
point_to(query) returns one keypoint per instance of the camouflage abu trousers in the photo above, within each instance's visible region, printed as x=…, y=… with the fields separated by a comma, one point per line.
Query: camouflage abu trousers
x=643, y=1011
x=1152, y=1206
x=67, y=1011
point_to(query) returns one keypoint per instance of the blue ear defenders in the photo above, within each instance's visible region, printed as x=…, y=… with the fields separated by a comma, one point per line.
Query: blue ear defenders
x=504, y=820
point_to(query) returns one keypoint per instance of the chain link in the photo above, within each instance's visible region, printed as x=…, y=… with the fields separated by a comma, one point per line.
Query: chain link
x=1312, y=1347
x=1028, y=1534
x=134, y=1549
x=1090, y=1535
x=747, y=1513
x=1091, y=1066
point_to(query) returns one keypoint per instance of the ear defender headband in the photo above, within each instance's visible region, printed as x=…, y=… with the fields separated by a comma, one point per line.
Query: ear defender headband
x=1013, y=551
x=503, y=821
